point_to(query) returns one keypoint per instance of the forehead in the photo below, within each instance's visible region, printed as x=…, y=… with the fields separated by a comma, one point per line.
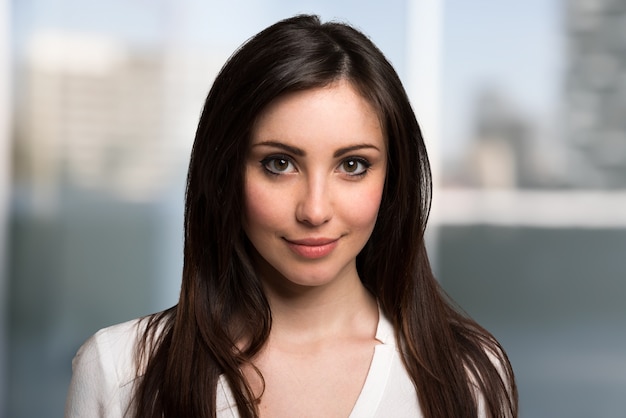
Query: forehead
x=336, y=110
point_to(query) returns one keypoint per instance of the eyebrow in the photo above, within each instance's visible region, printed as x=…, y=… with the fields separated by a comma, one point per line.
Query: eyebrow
x=292, y=150
x=300, y=152
x=342, y=151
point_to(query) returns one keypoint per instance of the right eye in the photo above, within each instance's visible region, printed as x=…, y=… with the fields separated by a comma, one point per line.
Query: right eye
x=278, y=164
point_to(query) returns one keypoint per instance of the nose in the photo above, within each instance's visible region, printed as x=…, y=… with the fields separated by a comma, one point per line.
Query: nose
x=315, y=202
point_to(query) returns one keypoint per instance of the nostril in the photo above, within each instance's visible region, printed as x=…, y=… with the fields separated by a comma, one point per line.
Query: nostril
x=314, y=211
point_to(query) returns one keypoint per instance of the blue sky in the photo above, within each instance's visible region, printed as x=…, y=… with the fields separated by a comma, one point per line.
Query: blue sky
x=515, y=46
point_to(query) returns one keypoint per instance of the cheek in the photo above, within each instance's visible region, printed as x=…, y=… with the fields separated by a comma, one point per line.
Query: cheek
x=364, y=207
x=259, y=212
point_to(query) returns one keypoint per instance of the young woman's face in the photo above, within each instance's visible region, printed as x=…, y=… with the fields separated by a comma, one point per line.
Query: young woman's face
x=314, y=177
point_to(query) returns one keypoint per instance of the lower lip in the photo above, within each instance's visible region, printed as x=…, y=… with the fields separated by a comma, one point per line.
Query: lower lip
x=312, y=251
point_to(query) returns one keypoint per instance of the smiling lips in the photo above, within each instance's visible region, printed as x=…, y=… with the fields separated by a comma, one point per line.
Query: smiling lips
x=313, y=248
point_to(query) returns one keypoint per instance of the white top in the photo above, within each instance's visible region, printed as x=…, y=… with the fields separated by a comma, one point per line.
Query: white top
x=104, y=373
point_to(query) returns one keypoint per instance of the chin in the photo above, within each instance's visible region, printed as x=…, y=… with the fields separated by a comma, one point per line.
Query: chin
x=312, y=278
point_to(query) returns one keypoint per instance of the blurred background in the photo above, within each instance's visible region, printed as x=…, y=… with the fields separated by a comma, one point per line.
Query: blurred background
x=523, y=106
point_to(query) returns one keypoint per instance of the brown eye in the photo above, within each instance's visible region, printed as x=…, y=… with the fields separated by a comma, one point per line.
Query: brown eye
x=354, y=166
x=280, y=164
x=350, y=166
x=277, y=165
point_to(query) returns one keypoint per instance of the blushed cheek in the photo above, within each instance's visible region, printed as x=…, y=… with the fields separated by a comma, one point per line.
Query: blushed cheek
x=367, y=211
x=259, y=212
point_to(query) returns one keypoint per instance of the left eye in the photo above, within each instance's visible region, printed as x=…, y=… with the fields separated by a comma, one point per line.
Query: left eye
x=277, y=164
x=354, y=166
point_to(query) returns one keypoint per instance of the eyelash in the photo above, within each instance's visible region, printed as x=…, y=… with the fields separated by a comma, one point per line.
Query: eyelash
x=265, y=162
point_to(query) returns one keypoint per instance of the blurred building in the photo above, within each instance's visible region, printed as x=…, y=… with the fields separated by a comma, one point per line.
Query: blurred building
x=96, y=116
x=499, y=153
x=596, y=93
x=508, y=149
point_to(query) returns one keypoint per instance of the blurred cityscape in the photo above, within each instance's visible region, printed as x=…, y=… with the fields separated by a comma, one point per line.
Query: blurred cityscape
x=580, y=146
x=102, y=132
x=93, y=114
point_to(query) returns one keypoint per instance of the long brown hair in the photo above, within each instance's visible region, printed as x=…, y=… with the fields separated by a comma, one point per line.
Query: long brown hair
x=187, y=348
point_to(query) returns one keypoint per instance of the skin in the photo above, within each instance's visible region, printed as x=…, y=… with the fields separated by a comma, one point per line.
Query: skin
x=315, y=173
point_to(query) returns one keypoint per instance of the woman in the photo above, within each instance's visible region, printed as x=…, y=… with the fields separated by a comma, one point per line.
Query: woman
x=306, y=288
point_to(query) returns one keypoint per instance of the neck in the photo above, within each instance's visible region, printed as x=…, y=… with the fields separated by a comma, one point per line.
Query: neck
x=317, y=313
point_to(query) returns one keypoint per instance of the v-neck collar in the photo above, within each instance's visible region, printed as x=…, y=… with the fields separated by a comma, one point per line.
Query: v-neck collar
x=371, y=393
x=378, y=374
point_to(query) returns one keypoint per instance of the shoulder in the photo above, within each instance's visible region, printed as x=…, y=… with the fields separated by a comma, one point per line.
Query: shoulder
x=113, y=348
x=104, y=371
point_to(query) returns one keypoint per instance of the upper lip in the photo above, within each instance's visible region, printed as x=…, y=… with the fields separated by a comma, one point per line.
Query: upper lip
x=312, y=241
